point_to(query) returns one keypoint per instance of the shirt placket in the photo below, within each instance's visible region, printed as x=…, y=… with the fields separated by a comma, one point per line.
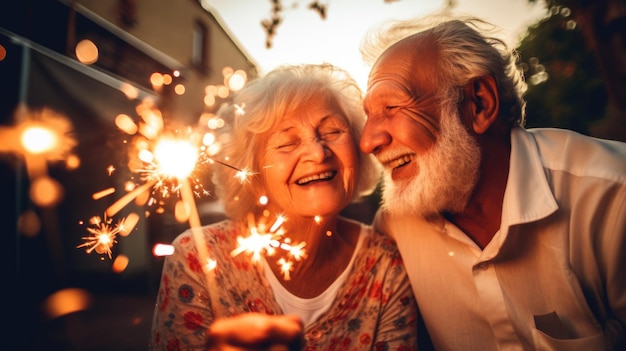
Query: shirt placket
x=492, y=299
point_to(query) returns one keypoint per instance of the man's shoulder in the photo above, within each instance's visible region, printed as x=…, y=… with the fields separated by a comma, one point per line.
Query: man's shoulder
x=582, y=155
x=400, y=226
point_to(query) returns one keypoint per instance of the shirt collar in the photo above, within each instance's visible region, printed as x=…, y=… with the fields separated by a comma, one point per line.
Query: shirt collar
x=528, y=196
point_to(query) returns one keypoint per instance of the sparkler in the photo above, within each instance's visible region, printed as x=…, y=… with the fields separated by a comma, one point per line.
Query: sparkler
x=40, y=137
x=167, y=162
x=261, y=242
x=103, y=234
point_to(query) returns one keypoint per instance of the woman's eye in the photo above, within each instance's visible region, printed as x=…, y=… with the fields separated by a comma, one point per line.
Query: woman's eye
x=331, y=134
x=287, y=146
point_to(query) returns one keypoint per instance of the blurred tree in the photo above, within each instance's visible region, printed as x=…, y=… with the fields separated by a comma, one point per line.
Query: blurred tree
x=270, y=25
x=565, y=87
x=576, y=66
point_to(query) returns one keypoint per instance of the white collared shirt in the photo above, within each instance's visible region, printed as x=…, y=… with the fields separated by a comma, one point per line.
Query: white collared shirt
x=554, y=275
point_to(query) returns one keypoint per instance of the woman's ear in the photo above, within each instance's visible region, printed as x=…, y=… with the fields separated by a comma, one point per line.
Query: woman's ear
x=485, y=102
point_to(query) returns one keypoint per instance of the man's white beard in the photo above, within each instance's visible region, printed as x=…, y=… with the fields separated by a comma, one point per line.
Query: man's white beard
x=447, y=174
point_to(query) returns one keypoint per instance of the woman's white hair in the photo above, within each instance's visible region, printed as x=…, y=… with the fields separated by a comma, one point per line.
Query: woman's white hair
x=265, y=102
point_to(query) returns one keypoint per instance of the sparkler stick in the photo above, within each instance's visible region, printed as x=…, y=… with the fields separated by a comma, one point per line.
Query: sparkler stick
x=227, y=165
x=196, y=231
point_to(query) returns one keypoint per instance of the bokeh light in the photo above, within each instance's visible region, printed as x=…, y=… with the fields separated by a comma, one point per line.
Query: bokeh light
x=3, y=53
x=86, y=52
x=29, y=224
x=37, y=139
x=45, y=191
x=66, y=301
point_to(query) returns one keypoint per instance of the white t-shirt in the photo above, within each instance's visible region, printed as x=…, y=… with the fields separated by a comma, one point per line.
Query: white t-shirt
x=308, y=309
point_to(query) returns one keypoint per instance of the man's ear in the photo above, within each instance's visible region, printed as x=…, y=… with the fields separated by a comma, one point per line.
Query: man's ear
x=485, y=102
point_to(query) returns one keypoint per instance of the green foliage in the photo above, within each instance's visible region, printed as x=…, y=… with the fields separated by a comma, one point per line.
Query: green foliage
x=565, y=88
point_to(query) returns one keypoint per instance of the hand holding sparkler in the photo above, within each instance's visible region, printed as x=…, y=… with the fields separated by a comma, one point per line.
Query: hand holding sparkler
x=256, y=331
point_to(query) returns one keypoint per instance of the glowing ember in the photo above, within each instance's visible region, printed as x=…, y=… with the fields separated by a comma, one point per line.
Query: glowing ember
x=175, y=158
x=162, y=250
x=103, y=233
x=37, y=139
x=260, y=242
x=285, y=268
x=240, y=109
x=102, y=236
x=110, y=170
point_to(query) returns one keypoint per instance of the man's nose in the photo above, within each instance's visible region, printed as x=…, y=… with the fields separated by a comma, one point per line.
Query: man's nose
x=374, y=137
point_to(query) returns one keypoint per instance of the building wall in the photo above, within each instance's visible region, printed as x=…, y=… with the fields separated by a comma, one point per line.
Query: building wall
x=167, y=26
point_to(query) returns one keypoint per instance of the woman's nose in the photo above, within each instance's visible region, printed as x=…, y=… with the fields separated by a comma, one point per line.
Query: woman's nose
x=317, y=150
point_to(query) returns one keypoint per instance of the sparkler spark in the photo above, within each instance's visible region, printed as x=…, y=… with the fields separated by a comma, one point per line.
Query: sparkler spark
x=102, y=236
x=39, y=136
x=260, y=242
x=166, y=161
x=104, y=233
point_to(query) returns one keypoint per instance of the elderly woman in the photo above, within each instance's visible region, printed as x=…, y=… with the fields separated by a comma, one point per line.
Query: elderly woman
x=297, y=129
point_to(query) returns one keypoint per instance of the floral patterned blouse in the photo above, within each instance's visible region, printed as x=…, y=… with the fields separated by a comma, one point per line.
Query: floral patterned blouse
x=373, y=310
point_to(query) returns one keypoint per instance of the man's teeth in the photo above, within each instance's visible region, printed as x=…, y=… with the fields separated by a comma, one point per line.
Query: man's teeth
x=399, y=161
x=321, y=176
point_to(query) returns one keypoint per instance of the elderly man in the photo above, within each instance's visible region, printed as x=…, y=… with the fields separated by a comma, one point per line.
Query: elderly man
x=513, y=238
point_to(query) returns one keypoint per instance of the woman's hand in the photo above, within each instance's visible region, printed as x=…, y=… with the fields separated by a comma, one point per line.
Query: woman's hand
x=256, y=332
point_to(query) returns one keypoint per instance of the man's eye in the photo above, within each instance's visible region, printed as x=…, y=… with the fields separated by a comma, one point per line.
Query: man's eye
x=391, y=109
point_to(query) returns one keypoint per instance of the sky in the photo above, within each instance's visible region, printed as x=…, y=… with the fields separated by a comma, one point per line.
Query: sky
x=303, y=37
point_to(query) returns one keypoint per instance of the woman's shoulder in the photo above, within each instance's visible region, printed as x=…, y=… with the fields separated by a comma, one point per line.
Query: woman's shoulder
x=377, y=238
x=375, y=241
